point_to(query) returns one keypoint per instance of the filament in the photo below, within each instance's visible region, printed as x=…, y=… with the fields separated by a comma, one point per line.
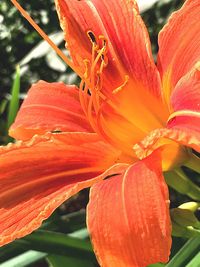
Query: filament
x=46, y=38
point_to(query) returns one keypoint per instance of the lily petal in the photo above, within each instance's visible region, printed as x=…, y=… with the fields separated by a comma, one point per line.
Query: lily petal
x=39, y=175
x=172, y=142
x=183, y=127
x=128, y=216
x=128, y=78
x=49, y=107
x=185, y=102
x=129, y=48
x=128, y=36
x=185, y=97
x=77, y=18
x=179, y=48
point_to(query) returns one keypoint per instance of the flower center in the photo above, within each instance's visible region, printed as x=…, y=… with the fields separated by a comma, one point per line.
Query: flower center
x=113, y=102
x=90, y=86
x=91, y=97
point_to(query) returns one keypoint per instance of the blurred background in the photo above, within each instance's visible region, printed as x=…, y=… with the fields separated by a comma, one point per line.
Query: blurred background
x=21, y=45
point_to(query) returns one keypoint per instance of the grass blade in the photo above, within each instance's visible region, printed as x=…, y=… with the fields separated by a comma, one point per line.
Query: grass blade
x=3, y=105
x=14, y=102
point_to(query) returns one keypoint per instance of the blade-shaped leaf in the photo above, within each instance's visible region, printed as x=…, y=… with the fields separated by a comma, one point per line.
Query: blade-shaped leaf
x=186, y=253
x=3, y=105
x=14, y=102
x=57, y=243
x=195, y=261
x=58, y=261
x=24, y=259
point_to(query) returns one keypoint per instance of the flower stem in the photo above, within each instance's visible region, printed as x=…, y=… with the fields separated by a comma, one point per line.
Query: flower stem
x=178, y=180
x=193, y=163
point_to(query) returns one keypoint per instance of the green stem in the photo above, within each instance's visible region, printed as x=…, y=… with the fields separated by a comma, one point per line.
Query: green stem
x=193, y=163
x=182, y=184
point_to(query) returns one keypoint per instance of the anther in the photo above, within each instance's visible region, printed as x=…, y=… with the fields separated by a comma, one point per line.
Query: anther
x=92, y=37
x=104, y=40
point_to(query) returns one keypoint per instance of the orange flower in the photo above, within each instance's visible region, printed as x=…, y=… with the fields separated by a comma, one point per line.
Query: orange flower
x=133, y=121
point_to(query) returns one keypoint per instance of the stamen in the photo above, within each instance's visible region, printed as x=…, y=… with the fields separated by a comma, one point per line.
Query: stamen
x=100, y=53
x=102, y=57
x=90, y=113
x=184, y=112
x=82, y=97
x=104, y=63
x=118, y=89
x=104, y=42
x=92, y=79
x=86, y=63
x=92, y=37
x=45, y=37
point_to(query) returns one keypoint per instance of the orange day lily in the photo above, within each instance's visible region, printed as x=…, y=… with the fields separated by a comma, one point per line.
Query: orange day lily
x=129, y=121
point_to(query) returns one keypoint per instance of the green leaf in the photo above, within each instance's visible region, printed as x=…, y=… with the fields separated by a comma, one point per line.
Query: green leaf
x=58, y=261
x=14, y=102
x=3, y=105
x=24, y=259
x=66, y=223
x=179, y=181
x=157, y=265
x=82, y=234
x=186, y=253
x=10, y=251
x=57, y=243
x=195, y=261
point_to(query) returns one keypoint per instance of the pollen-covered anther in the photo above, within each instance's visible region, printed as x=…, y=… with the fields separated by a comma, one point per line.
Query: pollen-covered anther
x=118, y=89
x=92, y=39
x=104, y=43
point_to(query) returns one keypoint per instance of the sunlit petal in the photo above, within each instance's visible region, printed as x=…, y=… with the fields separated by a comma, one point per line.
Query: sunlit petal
x=121, y=73
x=128, y=217
x=179, y=48
x=39, y=175
x=172, y=141
x=185, y=102
x=49, y=107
